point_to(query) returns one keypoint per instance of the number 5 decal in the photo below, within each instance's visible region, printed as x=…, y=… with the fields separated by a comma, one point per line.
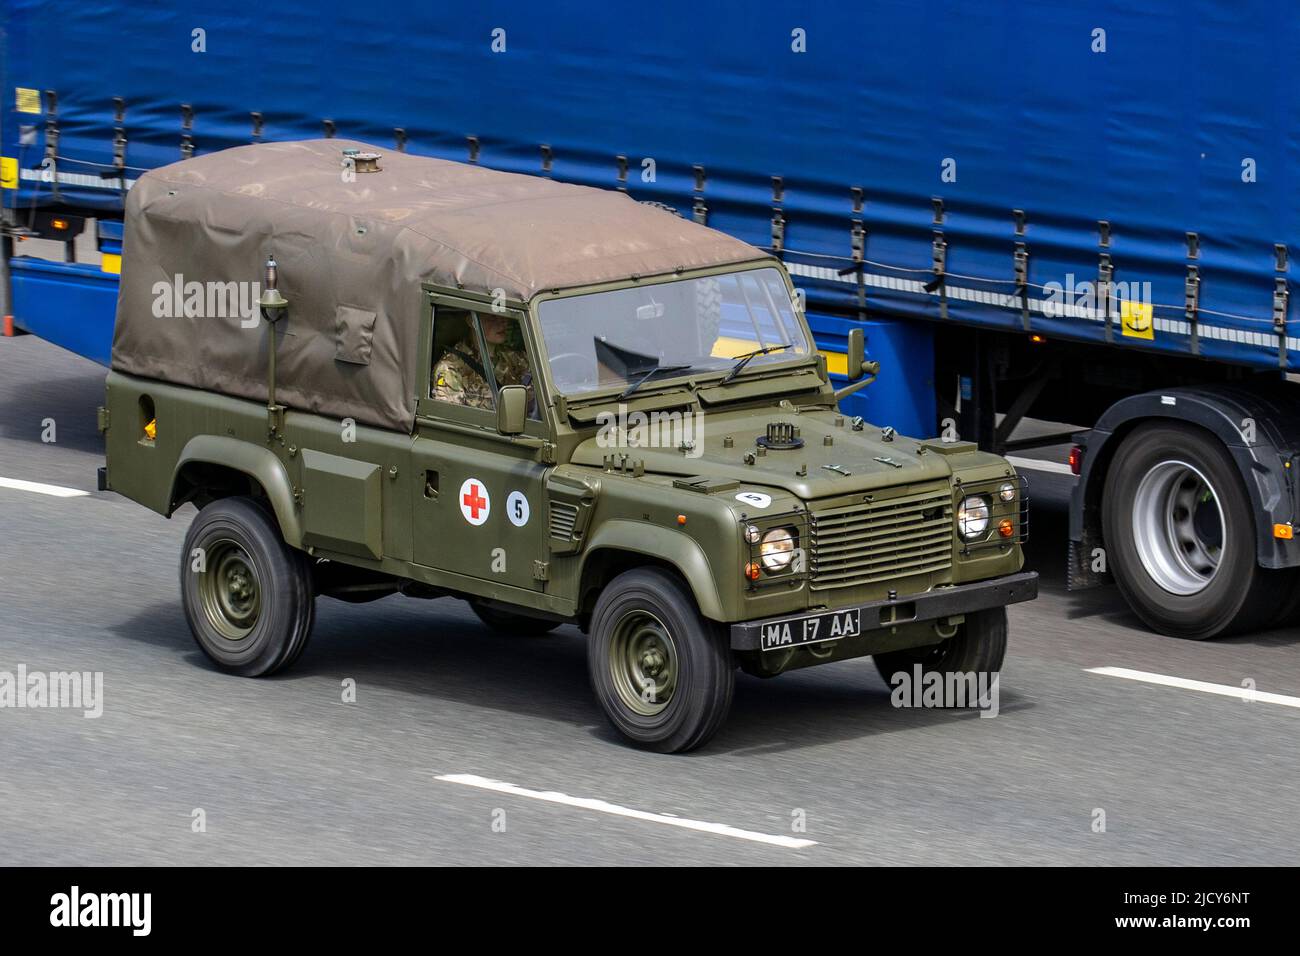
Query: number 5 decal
x=517, y=509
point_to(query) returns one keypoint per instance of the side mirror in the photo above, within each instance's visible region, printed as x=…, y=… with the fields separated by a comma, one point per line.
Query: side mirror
x=858, y=366
x=512, y=409
x=857, y=354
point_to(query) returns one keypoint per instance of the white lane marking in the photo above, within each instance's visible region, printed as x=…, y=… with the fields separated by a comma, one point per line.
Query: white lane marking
x=57, y=491
x=1034, y=464
x=600, y=806
x=1223, y=690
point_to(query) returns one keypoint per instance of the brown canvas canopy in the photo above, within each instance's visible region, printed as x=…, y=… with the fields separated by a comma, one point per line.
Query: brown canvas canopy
x=352, y=251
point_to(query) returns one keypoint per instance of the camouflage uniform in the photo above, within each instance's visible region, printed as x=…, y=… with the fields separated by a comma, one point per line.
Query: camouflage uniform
x=455, y=381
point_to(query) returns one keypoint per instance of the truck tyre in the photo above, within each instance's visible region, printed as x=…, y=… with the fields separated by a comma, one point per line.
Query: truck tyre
x=518, y=625
x=248, y=596
x=1180, y=535
x=979, y=648
x=662, y=672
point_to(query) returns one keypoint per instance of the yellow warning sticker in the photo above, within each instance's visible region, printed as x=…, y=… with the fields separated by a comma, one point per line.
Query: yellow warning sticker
x=111, y=262
x=8, y=172
x=1136, y=319
x=27, y=101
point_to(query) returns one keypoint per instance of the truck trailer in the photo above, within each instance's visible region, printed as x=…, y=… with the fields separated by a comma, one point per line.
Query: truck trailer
x=1078, y=213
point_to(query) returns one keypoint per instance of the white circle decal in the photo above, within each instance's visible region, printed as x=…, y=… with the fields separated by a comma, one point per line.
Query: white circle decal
x=755, y=498
x=475, y=503
x=517, y=509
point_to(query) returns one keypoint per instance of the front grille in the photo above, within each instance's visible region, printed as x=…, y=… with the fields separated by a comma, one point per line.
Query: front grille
x=880, y=540
x=563, y=518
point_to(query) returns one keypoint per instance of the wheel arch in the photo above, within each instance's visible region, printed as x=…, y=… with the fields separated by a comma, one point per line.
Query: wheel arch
x=621, y=545
x=214, y=466
x=1264, y=464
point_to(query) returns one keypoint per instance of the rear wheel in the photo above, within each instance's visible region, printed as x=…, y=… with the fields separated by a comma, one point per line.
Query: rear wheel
x=660, y=670
x=978, y=647
x=1180, y=536
x=247, y=595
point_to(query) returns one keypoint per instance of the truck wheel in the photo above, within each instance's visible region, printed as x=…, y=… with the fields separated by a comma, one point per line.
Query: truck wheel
x=979, y=647
x=520, y=625
x=247, y=595
x=662, y=673
x=1180, y=535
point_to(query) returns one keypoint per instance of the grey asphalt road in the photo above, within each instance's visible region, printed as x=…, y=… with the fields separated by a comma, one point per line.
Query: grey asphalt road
x=284, y=771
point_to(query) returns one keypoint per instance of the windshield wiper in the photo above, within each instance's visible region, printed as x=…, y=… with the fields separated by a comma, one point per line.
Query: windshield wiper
x=658, y=369
x=745, y=360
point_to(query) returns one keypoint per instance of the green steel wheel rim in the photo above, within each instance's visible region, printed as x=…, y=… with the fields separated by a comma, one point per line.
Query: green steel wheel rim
x=229, y=590
x=643, y=663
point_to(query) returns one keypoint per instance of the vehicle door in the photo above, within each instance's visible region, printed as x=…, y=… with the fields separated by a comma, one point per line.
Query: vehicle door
x=479, y=510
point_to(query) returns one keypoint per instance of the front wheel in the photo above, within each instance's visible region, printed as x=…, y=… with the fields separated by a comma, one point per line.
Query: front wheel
x=1180, y=535
x=660, y=670
x=978, y=647
x=248, y=596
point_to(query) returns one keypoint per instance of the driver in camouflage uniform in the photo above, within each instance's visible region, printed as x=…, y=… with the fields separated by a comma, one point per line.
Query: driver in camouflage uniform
x=456, y=378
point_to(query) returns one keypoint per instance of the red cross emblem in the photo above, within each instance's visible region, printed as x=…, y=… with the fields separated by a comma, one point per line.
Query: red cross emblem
x=475, y=503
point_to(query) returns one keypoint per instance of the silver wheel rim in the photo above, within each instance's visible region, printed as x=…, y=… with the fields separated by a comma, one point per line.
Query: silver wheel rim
x=1178, y=527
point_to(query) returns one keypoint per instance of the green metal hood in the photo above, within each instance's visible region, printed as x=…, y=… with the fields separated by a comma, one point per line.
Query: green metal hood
x=720, y=445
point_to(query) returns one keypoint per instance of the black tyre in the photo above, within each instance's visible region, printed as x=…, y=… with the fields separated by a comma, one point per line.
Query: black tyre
x=1180, y=536
x=519, y=625
x=978, y=647
x=247, y=595
x=662, y=673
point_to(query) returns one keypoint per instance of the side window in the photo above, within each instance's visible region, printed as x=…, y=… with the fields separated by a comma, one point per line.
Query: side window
x=459, y=373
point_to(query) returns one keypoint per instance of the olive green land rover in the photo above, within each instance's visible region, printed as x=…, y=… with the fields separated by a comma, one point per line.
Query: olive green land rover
x=381, y=374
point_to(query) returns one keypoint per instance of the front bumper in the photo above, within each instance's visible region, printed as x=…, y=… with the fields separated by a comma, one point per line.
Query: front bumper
x=913, y=608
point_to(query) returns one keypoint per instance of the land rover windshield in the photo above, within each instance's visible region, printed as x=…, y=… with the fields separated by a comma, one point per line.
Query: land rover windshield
x=618, y=338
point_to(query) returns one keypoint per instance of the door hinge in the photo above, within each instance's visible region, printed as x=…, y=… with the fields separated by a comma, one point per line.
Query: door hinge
x=541, y=571
x=101, y=418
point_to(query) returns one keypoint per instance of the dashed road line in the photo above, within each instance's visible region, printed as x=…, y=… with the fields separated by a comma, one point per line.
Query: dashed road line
x=1223, y=690
x=600, y=806
x=55, y=491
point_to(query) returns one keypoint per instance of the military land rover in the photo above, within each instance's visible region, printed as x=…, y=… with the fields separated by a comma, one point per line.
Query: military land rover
x=378, y=375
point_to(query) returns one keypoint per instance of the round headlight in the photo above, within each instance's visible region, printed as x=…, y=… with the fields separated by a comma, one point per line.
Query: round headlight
x=973, y=517
x=752, y=535
x=1007, y=492
x=777, y=550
